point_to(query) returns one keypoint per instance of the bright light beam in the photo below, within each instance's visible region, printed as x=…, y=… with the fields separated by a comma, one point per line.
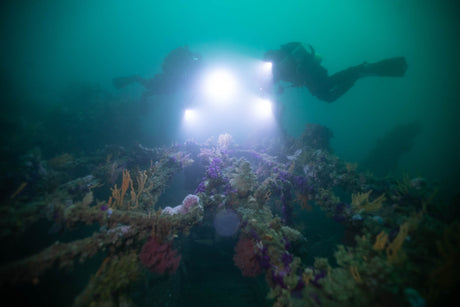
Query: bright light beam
x=263, y=109
x=220, y=85
x=267, y=66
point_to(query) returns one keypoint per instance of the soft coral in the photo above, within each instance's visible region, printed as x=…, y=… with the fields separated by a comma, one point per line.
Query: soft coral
x=245, y=258
x=159, y=258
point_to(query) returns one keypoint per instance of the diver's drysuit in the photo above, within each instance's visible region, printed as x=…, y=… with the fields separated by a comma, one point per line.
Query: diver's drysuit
x=295, y=64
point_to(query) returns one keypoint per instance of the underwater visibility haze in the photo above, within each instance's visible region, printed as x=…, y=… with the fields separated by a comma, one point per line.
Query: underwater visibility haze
x=231, y=153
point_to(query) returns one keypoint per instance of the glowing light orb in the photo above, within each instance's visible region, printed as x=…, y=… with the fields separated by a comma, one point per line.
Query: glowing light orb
x=267, y=66
x=220, y=85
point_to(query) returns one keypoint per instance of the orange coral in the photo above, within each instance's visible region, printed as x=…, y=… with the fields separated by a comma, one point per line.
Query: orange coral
x=306, y=277
x=351, y=167
x=303, y=200
x=267, y=195
x=18, y=190
x=141, y=179
x=117, y=198
x=380, y=241
x=394, y=247
x=99, y=271
x=355, y=273
x=119, y=194
x=60, y=161
x=361, y=201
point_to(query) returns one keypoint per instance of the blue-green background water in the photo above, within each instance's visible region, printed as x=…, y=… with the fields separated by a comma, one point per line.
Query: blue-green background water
x=47, y=45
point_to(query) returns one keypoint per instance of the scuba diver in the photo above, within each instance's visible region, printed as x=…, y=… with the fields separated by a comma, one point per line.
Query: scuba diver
x=292, y=63
x=295, y=64
x=178, y=70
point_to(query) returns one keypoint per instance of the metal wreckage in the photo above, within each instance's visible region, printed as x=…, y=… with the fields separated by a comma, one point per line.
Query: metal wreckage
x=110, y=206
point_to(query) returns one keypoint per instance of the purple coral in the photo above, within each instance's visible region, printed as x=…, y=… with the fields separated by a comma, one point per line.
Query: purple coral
x=264, y=259
x=201, y=187
x=214, y=169
x=286, y=258
x=278, y=278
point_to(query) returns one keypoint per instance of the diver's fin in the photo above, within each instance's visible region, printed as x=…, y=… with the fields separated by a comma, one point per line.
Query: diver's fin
x=393, y=67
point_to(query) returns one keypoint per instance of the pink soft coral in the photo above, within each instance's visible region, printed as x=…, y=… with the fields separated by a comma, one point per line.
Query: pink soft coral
x=189, y=202
x=246, y=259
x=159, y=258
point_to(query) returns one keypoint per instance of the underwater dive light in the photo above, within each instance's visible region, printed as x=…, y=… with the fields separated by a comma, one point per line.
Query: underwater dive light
x=233, y=96
x=267, y=66
x=190, y=115
x=220, y=85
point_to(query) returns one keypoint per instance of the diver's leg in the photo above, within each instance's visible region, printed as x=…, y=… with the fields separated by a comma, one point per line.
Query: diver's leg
x=342, y=81
x=338, y=89
x=339, y=83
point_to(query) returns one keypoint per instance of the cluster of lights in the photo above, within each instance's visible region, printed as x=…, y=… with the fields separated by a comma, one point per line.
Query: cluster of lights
x=232, y=96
